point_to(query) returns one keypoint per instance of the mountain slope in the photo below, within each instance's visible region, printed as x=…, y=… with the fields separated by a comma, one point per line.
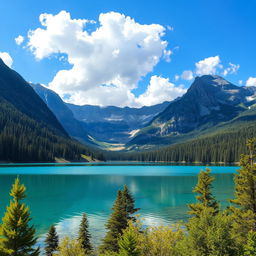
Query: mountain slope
x=29, y=131
x=114, y=124
x=65, y=116
x=209, y=102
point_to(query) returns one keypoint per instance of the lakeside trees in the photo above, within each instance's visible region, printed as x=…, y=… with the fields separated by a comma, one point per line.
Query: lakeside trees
x=51, y=241
x=210, y=230
x=17, y=236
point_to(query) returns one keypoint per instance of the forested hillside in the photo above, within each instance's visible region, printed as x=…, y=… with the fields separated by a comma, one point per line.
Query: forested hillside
x=29, y=131
x=225, y=145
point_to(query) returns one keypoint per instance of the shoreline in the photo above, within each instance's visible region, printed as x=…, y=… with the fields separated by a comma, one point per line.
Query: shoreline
x=113, y=163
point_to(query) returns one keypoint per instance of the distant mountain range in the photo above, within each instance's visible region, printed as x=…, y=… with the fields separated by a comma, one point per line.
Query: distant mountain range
x=44, y=128
x=102, y=126
x=209, y=104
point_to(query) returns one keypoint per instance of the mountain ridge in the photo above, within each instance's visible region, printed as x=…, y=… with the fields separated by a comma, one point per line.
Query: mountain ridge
x=209, y=101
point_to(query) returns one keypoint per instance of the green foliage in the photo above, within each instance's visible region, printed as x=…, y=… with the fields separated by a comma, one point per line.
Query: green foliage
x=129, y=242
x=161, y=240
x=205, y=197
x=18, y=238
x=122, y=211
x=209, y=235
x=250, y=246
x=69, y=247
x=51, y=241
x=245, y=194
x=84, y=235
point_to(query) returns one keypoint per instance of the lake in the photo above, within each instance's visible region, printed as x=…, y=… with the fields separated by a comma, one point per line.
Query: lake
x=59, y=194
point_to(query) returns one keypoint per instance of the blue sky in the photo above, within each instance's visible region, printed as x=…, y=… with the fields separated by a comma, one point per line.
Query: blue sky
x=201, y=29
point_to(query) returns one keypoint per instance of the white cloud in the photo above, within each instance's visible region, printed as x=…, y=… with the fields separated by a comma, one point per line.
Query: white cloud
x=159, y=90
x=187, y=75
x=208, y=66
x=240, y=82
x=19, y=40
x=251, y=81
x=7, y=59
x=232, y=69
x=108, y=63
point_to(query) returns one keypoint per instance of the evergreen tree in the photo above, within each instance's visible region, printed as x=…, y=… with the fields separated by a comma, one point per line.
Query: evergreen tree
x=129, y=202
x=84, y=235
x=121, y=213
x=128, y=243
x=18, y=238
x=245, y=194
x=205, y=197
x=250, y=247
x=116, y=223
x=51, y=241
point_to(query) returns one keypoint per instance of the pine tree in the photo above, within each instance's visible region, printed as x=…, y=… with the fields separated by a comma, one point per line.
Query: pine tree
x=116, y=223
x=121, y=213
x=205, y=197
x=245, y=194
x=130, y=202
x=128, y=243
x=84, y=235
x=51, y=241
x=17, y=236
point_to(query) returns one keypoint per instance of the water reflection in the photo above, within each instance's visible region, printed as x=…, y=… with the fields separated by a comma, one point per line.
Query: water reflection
x=61, y=199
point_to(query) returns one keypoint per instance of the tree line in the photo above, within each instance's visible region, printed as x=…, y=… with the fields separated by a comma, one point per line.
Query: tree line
x=220, y=147
x=210, y=230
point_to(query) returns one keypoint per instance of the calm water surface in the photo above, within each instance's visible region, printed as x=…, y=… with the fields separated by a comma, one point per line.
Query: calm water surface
x=60, y=194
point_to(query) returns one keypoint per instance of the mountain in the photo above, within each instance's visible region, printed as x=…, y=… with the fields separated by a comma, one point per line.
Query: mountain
x=209, y=103
x=114, y=124
x=64, y=115
x=29, y=131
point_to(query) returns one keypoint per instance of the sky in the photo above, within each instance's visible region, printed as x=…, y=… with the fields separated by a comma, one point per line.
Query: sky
x=128, y=53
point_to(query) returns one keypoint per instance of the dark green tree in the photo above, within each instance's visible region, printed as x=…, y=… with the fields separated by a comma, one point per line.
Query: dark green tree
x=129, y=202
x=84, y=235
x=204, y=197
x=116, y=223
x=18, y=237
x=245, y=194
x=122, y=211
x=51, y=241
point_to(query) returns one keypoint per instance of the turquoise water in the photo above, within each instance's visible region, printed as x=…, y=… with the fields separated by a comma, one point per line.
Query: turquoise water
x=60, y=194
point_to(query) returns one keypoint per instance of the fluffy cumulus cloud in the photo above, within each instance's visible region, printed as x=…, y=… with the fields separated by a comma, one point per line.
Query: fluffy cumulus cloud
x=251, y=81
x=19, y=40
x=187, y=75
x=108, y=63
x=7, y=59
x=159, y=90
x=208, y=66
